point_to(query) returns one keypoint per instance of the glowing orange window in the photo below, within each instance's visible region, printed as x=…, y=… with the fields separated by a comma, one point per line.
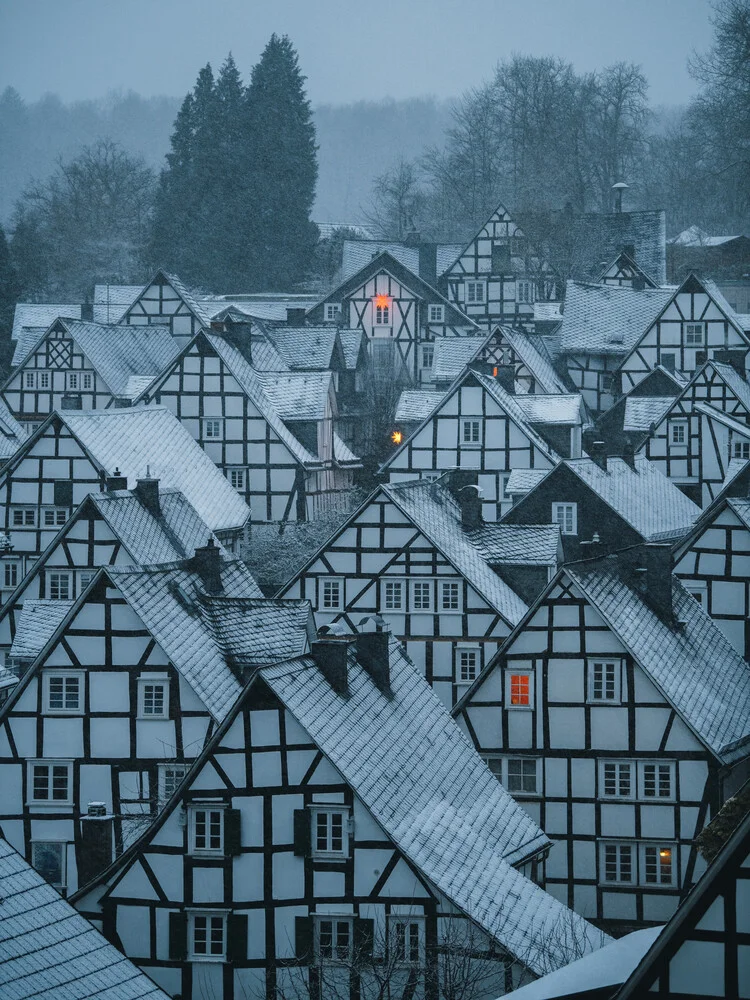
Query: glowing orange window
x=520, y=689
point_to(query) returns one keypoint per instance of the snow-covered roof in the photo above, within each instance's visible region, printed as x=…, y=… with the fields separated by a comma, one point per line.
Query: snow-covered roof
x=535, y=356
x=547, y=312
x=735, y=426
x=298, y=395
x=720, y=299
x=191, y=301
x=512, y=405
x=684, y=661
x=608, y=319
x=551, y=409
x=120, y=354
x=694, y=236
x=357, y=253
x=150, y=437
x=111, y=301
x=642, y=411
x=48, y=951
x=739, y=385
x=308, y=348
x=31, y=319
x=12, y=434
x=262, y=305
x=36, y=625
x=417, y=404
x=521, y=481
x=518, y=544
x=351, y=342
x=452, y=355
x=343, y=454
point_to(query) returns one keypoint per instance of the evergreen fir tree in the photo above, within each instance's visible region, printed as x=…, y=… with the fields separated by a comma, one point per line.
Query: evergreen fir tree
x=10, y=292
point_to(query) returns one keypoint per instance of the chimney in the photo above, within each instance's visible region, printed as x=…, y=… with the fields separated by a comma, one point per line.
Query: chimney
x=96, y=842
x=592, y=548
x=506, y=376
x=372, y=653
x=413, y=238
x=734, y=358
x=456, y=479
x=295, y=316
x=117, y=481
x=207, y=564
x=618, y=189
x=657, y=575
x=87, y=312
x=428, y=263
x=330, y=655
x=598, y=454
x=471, y=507
x=629, y=249
x=639, y=283
x=147, y=491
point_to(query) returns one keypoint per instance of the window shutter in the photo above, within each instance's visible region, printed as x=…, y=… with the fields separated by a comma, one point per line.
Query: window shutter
x=302, y=833
x=303, y=938
x=178, y=936
x=237, y=937
x=232, y=832
x=364, y=936
x=63, y=492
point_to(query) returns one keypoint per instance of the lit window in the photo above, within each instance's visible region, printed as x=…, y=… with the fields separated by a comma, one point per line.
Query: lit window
x=49, y=782
x=566, y=515
x=519, y=690
x=407, y=940
x=212, y=429
x=449, y=596
x=656, y=780
x=24, y=517
x=471, y=432
x=60, y=586
x=48, y=858
x=525, y=291
x=208, y=937
x=393, y=595
x=63, y=692
x=237, y=479
x=206, y=829
x=330, y=834
x=694, y=333
x=678, y=432
x=475, y=292
x=54, y=517
x=657, y=864
x=382, y=310
x=421, y=596
x=604, y=681
x=617, y=779
x=10, y=573
x=741, y=449
x=334, y=938
x=332, y=592
x=436, y=313
x=618, y=863
x=332, y=311
x=170, y=776
x=467, y=664
x=153, y=698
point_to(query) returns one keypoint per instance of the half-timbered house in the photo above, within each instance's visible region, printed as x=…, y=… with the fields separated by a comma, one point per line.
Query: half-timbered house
x=12, y=434
x=481, y=424
x=122, y=696
x=281, y=867
x=627, y=423
x=623, y=270
x=271, y=433
x=72, y=453
x=31, y=319
x=419, y=555
x=86, y=366
x=705, y=428
x=620, y=714
x=165, y=301
x=694, y=325
x=400, y=314
x=605, y=505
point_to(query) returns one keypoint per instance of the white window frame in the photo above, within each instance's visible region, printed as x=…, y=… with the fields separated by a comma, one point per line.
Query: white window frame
x=476, y=293
x=619, y=846
x=29, y=381
x=163, y=791
x=681, y=424
x=604, y=661
x=448, y=586
x=210, y=809
x=510, y=673
x=79, y=381
x=428, y=355
x=691, y=328
x=12, y=569
x=464, y=678
x=237, y=477
x=429, y=591
x=26, y=521
x=62, y=845
x=209, y=425
x=522, y=792
x=620, y=768
x=471, y=424
x=381, y=315
x=65, y=675
x=54, y=517
x=390, y=589
x=435, y=312
x=644, y=767
x=335, y=919
x=407, y=959
x=49, y=803
x=644, y=849
x=85, y=576
x=44, y=381
x=209, y=915
x=560, y=510
x=331, y=311
x=53, y=584
x=740, y=445
x=329, y=853
x=144, y=681
x=525, y=291
x=322, y=582
x=697, y=589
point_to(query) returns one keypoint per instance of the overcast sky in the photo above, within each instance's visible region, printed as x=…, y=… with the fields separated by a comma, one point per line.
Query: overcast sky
x=349, y=49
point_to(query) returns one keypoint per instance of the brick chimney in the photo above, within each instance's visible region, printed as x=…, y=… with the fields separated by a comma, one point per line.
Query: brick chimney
x=207, y=564
x=372, y=653
x=471, y=507
x=330, y=655
x=117, y=481
x=147, y=491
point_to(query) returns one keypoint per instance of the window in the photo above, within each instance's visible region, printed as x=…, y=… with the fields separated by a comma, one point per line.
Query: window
x=521, y=775
x=617, y=779
x=604, y=681
x=407, y=940
x=43, y=380
x=170, y=776
x=475, y=292
x=153, y=697
x=63, y=692
x=449, y=596
x=471, y=432
x=208, y=937
x=697, y=589
x=334, y=938
x=678, y=432
x=618, y=863
x=332, y=594
x=656, y=780
x=519, y=690
x=330, y=833
x=60, y=586
x=566, y=515
x=212, y=429
x=382, y=310
x=79, y=381
x=84, y=579
x=741, y=449
x=421, y=595
x=467, y=664
x=24, y=517
x=694, y=333
x=54, y=517
x=332, y=311
x=657, y=864
x=236, y=478
x=525, y=291
x=48, y=857
x=49, y=782
x=29, y=380
x=435, y=313
x=393, y=595
x=206, y=828
x=10, y=573
x=428, y=355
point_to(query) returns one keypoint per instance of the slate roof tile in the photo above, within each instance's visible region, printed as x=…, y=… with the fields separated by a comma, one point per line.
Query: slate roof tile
x=307, y=348
x=32, y=319
x=452, y=355
x=608, y=319
x=120, y=353
x=298, y=395
x=351, y=342
x=521, y=481
x=36, y=625
x=551, y=409
x=518, y=544
x=642, y=411
x=417, y=404
x=111, y=301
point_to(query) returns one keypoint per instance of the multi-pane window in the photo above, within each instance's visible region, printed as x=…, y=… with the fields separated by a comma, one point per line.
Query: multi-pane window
x=656, y=780
x=332, y=311
x=475, y=292
x=618, y=863
x=421, y=595
x=212, y=429
x=393, y=595
x=428, y=355
x=332, y=592
x=467, y=664
x=678, y=432
x=170, y=776
x=43, y=380
x=330, y=833
x=630, y=863
x=617, y=779
x=436, y=313
x=63, y=692
x=519, y=690
x=694, y=333
x=382, y=315
x=208, y=936
x=657, y=864
x=84, y=579
x=60, y=586
x=49, y=782
x=604, y=681
x=407, y=940
x=449, y=596
x=206, y=829
x=237, y=478
x=80, y=381
x=48, y=857
x=741, y=449
x=29, y=380
x=10, y=573
x=525, y=291
x=153, y=698
x=471, y=431
x=24, y=517
x=334, y=938
x=521, y=775
x=54, y=517
x=566, y=515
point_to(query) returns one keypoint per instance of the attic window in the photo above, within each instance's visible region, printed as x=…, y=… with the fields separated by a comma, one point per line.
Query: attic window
x=382, y=310
x=332, y=311
x=694, y=334
x=436, y=313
